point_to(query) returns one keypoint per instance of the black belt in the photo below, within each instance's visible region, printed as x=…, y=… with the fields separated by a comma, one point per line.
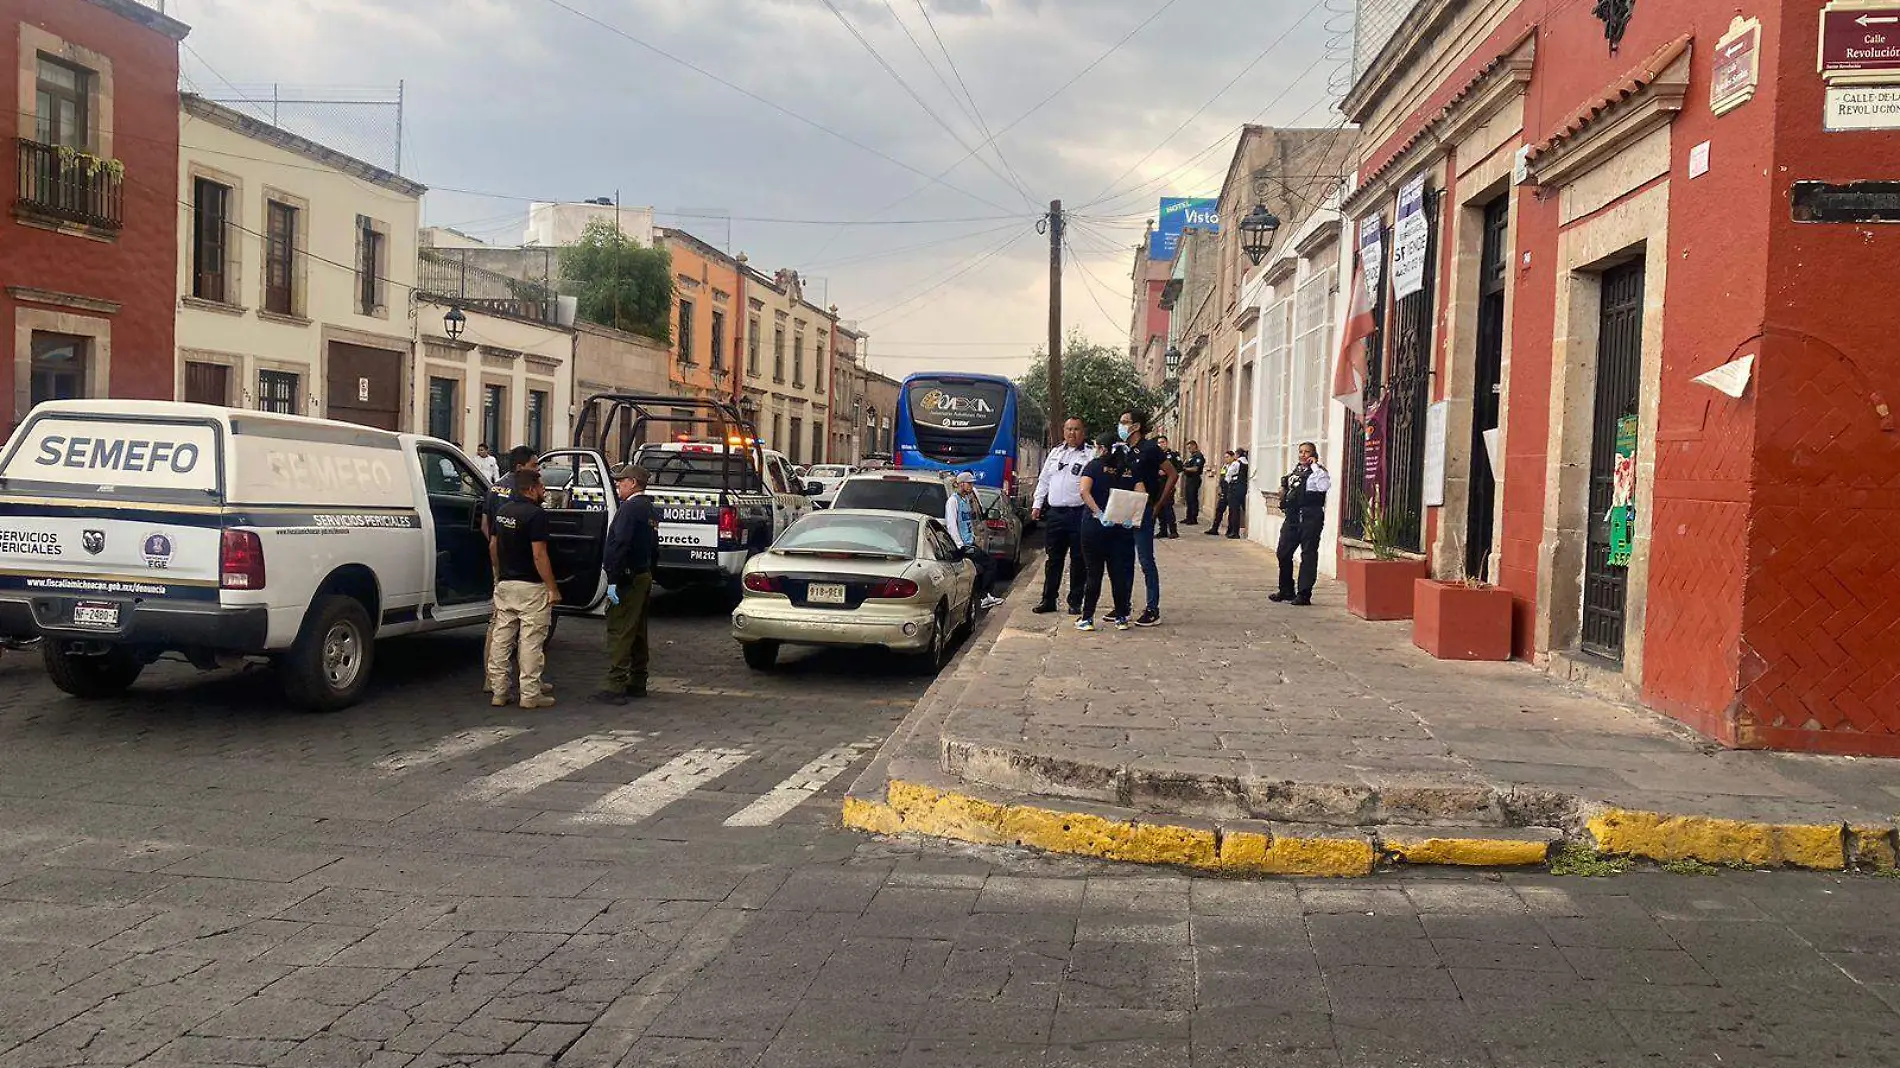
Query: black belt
x=1065, y=507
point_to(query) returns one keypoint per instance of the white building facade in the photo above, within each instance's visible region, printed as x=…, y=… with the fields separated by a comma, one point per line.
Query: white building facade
x=506, y=381
x=1299, y=293
x=296, y=264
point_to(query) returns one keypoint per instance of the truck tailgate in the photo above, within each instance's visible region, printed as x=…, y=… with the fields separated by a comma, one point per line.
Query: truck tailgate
x=689, y=527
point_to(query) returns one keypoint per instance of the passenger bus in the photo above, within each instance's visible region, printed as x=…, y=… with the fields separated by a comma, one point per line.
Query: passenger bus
x=948, y=421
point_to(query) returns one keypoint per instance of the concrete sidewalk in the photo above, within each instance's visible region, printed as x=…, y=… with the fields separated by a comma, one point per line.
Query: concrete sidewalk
x=1247, y=736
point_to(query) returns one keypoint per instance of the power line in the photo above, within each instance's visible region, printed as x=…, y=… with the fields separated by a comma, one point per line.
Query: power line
x=953, y=276
x=914, y=95
x=1222, y=91
x=887, y=253
x=1018, y=120
x=773, y=104
x=976, y=112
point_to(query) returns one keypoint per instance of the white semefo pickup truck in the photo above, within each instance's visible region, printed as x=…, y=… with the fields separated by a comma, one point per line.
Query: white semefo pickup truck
x=130, y=529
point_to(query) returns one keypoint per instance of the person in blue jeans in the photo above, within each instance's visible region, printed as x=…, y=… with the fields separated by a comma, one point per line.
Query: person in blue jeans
x=1157, y=475
x=1107, y=547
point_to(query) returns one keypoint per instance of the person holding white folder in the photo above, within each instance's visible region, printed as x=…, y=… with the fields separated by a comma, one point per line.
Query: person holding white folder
x=1116, y=502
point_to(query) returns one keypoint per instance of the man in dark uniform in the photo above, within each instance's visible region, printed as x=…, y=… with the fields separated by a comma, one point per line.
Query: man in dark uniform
x=525, y=595
x=633, y=545
x=1165, y=526
x=1192, y=466
x=1223, y=485
x=1237, y=504
x=520, y=458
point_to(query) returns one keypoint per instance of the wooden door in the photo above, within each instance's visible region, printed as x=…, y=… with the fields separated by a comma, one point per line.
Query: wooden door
x=365, y=385
x=207, y=383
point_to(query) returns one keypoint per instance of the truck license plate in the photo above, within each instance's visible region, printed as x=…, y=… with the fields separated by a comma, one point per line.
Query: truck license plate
x=96, y=614
x=825, y=593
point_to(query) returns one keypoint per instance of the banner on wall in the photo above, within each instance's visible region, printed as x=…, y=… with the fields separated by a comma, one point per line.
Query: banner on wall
x=1623, y=493
x=1372, y=256
x=1410, y=236
x=1375, y=449
x=1177, y=214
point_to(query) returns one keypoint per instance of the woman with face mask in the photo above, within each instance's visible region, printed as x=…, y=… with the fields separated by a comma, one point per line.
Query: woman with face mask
x=1303, y=500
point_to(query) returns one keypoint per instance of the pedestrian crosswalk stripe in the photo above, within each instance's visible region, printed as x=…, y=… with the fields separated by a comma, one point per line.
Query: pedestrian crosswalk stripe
x=803, y=783
x=455, y=745
x=554, y=764
x=662, y=786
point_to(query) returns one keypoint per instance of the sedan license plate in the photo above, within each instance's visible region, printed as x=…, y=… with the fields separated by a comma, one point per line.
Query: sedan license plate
x=825, y=593
x=96, y=614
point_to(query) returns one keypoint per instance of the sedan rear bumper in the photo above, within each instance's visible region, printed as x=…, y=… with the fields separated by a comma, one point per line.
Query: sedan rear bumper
x=904, y=628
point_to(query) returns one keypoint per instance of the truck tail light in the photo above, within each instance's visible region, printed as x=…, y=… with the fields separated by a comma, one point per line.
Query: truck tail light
x=894, y=589
x=241, y=561
x=728, y=524
x=1009, y=476
x=996, y=524
x=761, y=583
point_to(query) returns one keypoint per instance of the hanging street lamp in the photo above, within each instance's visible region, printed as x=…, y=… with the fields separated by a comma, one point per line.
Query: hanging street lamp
x=1256, y=233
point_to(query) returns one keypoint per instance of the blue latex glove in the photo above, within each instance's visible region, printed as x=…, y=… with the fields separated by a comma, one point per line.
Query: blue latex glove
x=1104, y=518
x=613, y=594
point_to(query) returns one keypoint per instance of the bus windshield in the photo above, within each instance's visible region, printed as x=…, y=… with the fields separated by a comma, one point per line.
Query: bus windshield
x=956, y=420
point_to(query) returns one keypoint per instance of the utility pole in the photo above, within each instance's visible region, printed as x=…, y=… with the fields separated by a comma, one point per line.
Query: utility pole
x=1053, y=432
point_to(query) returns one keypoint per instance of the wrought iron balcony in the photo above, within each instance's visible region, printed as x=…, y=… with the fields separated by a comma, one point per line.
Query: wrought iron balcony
x=70, y=186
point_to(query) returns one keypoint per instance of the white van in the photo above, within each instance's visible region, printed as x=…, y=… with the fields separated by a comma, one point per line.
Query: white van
x=129, y=529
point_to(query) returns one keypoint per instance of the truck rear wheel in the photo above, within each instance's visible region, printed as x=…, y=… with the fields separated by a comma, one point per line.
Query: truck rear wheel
x=328, y=667
x=91, y=675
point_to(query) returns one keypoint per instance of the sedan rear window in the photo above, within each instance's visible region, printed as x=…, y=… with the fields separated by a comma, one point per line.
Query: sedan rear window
x=831, y=532
x=894, y=495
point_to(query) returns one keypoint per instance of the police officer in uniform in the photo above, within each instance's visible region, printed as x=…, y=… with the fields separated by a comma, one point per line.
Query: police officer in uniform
x=1059, y=504
x=1192, y=466
x=1303, y=499
x=525, y=595
x=1222, y=490
x=520, y=458
x=633, y=546
x=1165, y=525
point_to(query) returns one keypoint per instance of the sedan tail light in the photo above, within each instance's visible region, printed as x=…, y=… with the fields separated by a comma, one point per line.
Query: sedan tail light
x=893, y=589
x=241, y=561
x=760, y=583
x=996, y=524
x=728, y=524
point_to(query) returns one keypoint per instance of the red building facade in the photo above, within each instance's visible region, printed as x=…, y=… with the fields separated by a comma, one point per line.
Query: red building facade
x=1617, y=200
x=87, y=249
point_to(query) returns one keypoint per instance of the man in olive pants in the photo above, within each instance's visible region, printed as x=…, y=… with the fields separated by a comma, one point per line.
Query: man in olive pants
x=633, y=544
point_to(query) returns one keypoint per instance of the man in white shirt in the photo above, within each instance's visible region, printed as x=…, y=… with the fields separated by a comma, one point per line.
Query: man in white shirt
x=486, y=463
x=1058, y=504
x=1303, y=499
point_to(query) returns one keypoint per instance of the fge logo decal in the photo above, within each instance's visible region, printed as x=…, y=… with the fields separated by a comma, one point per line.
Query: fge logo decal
x=157, y=551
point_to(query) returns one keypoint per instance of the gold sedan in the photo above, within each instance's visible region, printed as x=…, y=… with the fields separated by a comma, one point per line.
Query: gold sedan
x=857, y=577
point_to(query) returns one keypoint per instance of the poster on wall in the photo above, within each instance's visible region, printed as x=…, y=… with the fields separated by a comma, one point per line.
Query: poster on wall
x=1410, y=235
x=1623, y=493
x=1435, y=420
x=1372, y=256
x=1375, y=450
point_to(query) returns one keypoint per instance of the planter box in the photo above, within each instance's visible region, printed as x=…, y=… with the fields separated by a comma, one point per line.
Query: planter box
x=1453, y=621
x=1381, y=589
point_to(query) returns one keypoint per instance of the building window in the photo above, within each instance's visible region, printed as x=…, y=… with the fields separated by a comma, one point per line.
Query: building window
x=778, y=354
x=817, y=443
x=686, y=331
x=442, y=409
x=796, y=441
x=752, y=347
x=778, y=431
x=64, y=116
x=280, y=244
x=798, y=361
x=277, y=392
x=537, y=419
x=207, y=383
x=718, y=340
x=494, y=405
x=369, y=266
x=818, y=373
x=210, y=240
x=59, y=366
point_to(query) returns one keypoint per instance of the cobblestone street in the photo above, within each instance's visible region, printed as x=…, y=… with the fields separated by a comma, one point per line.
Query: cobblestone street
x=194, y=876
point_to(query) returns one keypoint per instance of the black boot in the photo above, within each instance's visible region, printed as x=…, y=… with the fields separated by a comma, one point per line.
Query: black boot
x=1280, y=598
x=1303, y=600
x=637, y=688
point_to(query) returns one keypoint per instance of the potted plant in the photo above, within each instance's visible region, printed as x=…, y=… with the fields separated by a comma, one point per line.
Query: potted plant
x=1461, y=619
x=1380, y=586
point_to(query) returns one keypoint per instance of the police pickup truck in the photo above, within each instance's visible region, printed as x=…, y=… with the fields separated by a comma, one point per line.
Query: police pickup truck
x=133, y=529
x=719, y=504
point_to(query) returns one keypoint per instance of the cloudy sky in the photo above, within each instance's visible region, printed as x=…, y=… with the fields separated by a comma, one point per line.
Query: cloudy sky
x=829, y=170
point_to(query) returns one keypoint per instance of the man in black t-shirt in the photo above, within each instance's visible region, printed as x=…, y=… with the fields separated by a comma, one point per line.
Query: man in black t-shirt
x=1157, y=475
x=520, y=458
x=525, y=593
x=1165, y=525
x=1192, y=466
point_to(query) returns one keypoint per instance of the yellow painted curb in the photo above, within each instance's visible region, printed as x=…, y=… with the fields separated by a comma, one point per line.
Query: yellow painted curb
x=916, y=809
x=1874, y=846
x=1468, y=852
x=1657, y=836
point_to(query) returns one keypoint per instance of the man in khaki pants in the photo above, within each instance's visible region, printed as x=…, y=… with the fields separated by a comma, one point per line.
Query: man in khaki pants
x=525, y=593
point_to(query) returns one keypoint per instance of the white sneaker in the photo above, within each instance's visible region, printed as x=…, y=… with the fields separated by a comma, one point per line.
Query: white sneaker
x=990, y=602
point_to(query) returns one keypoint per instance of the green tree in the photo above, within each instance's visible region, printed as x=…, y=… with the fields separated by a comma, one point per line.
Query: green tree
x=618, y=283
x=1099, y=383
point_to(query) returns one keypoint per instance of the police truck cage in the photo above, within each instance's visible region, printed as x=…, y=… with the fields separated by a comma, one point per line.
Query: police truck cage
x=619, y=424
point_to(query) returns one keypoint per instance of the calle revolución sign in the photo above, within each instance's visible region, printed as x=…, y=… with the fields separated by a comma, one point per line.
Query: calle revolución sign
x=1860, y=41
